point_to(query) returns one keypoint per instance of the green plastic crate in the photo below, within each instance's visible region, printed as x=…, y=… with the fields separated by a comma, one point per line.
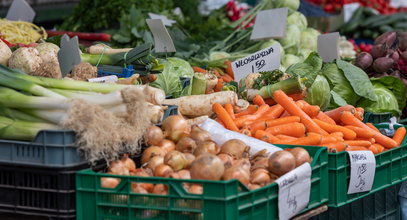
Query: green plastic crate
x=381, y=205
x=376, y=118
x=391, y=168
x=220, y=200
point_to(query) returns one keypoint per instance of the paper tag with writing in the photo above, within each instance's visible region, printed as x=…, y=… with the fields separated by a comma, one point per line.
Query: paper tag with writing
x=348, y=10
x=294, y=189
x=270, y=24
x=20, y=10
x=104, y=79
x=162, y=39
x=362, y=171
x=328, y=46
x=68, y=55
x=264, y=60
x=166, y=21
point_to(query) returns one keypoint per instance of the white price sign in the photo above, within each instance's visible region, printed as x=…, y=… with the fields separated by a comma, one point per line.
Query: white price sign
x=69, y=55
x=20, y=10
x=162, y=39
x=270, y=24
x=264, y=60
x=398, y=3
x=348, y=10
x=363, y=168
x=328, y=46
x=104, y=79
x=294, y=190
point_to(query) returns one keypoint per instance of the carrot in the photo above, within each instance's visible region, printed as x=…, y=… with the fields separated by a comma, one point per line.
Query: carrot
x=229, y=69
x=274, y=111
x=260, y=111
x=229, y=109
x=224, y=117
x=250, y=110
x=198, y=69
x=379, y=147
x=280, y=121
x=360, y=132
x=294, y=129
x=355, y=148
x=358, y=143
x=308, y=140
x=285, y=114
x=323, y=117
x=349, y=119
x=399, y=135
x=337, y=135
x=359, y=113
x=370, y=125
x=270, y=101
x=371, y=140
x=335, y=147
x=311, y=110
x=219, y=85
x=328, y=139
x=290, y=106
x=259, y=125
x=236, y=109
x=335, y=114
x=298, y=96
x=258, y=100
x=347, y=133
x=220, y=122
x=374, y=149
x=226, y=78
x=264, y=136
x=216, y=72
x=286, y=137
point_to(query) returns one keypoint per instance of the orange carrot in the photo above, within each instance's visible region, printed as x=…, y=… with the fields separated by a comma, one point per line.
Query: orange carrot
x=358, y=143
x=250, y=110
x=311, y=110
x=355, y=148
x=294, y=129
x=290, y=106
x=371, y=140
x=373, y=148
x=236, y=109
x=347, y=133
x=308, y=140
x=360, y=132
x=285, y=114
x=280, y=121
x=335, y=114
x=328, y=139
x=349, y=119
x=274, y=111
x=379, y=147
x=258, y=100
x=229, y=69
x=264, y=136
x=335, y=147
x=298, y=96
x=198, y=69
x=260, y=111
x=359, y=113
x=370, y=125
x=323, y=117
x=229, y=109
x=338, y=135
x=226, y=78
x=246, y=131
x=258, y=125
x=286, y=137
x=219, y=85
x=224, y=117
x=270, y=101
x=220, y=122
x=216, y=72
x=399, y=135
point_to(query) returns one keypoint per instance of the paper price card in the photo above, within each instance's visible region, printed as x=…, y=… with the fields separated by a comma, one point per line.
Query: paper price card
x=294, y=190
x=162, y=39
x=348, y=10
x=68, y=55
x=270, y=24
x=20, y=10
x=362, y=171
x=328, y=46
x=264, y=60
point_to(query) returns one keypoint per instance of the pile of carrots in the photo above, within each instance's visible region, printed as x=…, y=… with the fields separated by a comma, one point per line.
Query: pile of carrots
x=225, y=75
x=299, y=123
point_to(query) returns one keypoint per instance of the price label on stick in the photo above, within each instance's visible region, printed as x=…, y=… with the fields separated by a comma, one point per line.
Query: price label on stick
x=294, y=190
x=264, y=60
x=162, y=39
x=68, y=55
x=270, y=24
x=328, y=46
x=362, y=171
x=166, y=21
x=20, y=10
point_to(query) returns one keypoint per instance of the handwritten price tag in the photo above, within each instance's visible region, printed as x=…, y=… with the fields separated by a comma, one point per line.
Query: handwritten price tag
x=363, y=168
x=264, y=60
x=328, y=46
x=294, y=190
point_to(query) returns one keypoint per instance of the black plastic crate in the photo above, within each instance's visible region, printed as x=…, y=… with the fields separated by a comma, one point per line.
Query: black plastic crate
x=38, y=190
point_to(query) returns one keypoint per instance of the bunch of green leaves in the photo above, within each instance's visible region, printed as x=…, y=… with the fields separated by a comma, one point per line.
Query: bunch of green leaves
x=267, y=78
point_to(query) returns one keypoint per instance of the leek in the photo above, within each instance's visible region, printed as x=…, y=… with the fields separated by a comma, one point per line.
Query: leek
x=22, y=130
x=19, y=115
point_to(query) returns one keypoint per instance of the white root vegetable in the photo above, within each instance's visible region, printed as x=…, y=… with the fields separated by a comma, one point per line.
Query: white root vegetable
x=198, y=120
x=50, y=64
x=26, y=59
x=48, y=52
x=251, y=93
x=84, y=71
x=5, y=53
x=242, y=104
x=102, y=48
x=211, y=81
x=198, y=105
x=156, y=112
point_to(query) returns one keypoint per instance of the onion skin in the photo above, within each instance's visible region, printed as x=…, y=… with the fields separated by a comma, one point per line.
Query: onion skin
x=199, y=135
x=152, y=152
x=260, y=176
x=139, y=189
x=109, y=182
x=261, y=163
x=184, y=174
x=281, y=162
x=226, y=159
x=167, y=145
x=237, y=172
x=253, y=186
x=301, y=156
x=175, y=126
x=154, y=135
x=163, y=170
x=147, y=186
x=160, y=189
x=190, y=158
x=118, y=168
x=186, y=145
x=207, y=167
x=236, y=148
x=129, y=163
x=209, y=147
x=154, y=162
x=176, y=160
x=195, y=189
